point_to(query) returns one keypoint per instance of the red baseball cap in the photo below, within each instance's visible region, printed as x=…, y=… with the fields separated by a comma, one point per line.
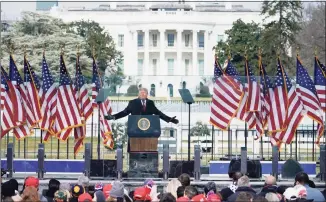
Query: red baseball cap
x=32, y=182
x=84, y=197
x=106, y=190
x=141, y=193
x=199, y=198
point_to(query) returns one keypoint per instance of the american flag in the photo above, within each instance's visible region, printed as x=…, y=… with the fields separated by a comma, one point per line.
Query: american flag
x=308, y=95
x=242, y=113
x=253, y=101
x=105, y=108
x=279, y=101
x=26, y=128
x=266, y=86
x=14, y=83
x=320, y=82
x=294, y=112
x=32, y=85
x=84, y=104
x=7, y=122
x=227, y=95
x=67, y=114
x=48, y=94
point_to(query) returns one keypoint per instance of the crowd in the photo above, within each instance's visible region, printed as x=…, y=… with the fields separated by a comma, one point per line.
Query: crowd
x=177, y=190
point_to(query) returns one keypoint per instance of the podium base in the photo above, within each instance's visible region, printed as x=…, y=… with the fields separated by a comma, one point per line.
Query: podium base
x=143, y=165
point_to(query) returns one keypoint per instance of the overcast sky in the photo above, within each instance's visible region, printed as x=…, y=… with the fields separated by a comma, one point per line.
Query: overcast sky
x=11, y=10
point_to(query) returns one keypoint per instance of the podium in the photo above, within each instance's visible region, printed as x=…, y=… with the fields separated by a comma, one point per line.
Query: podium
x=143, y=132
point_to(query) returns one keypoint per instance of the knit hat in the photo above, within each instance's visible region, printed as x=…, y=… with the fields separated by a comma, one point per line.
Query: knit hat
x=32, y=182
x=117, y=190
x=77, y=190
x=106, y=190
x=98, y=186
x=8, y=189
x=60, y=196
x=84, y=197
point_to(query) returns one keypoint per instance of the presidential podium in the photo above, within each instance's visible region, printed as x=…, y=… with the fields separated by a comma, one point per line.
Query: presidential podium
x=143, y=132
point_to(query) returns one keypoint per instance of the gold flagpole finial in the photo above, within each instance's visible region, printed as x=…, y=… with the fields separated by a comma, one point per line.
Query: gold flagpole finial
x=93, y=51
x=315, y=51
x=259, y=51
x=297, y=51
x=11, y=48
x=62, y=49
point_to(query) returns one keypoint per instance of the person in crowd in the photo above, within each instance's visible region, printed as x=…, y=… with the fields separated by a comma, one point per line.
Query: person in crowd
x=211, y=197
x=189, y=193
x=98, y=187
x=66, y=187
x=167, y=197
x=243, y=186
x=54, y=185
x=76, y=191
x=269, y=186
x=117, y=192
x=199, y=198
x=106, y=190
x=99, y=196
x=272, y=197
x=180, y=191
x=312, y=193
x=184, y=179
x=228, y=191
x=281, y=189
x=34, y=182
x=60, y=196
x=244, y=197
x=141, y=195
x=173, y=186
x=210, y=186
x=259, y=199
x=9, y=190
x=30, y=194
x=84, y=182
x=297, y=193
x=85, y=197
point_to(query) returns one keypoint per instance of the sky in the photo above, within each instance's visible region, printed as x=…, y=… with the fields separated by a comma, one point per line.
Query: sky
x=11, y=9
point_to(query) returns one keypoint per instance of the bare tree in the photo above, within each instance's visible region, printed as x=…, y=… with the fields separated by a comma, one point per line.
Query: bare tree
x=313, y=34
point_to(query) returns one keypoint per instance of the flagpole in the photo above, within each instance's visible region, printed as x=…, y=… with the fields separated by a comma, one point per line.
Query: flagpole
x=246, y=130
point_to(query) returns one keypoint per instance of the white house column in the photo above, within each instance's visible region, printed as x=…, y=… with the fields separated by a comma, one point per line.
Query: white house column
x=163, y=70
x=179, y=53
x=146, y=52
x=194, y=52
x=134, y=54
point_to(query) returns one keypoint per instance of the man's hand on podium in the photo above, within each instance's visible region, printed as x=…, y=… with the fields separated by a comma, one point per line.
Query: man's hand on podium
x=109, y=117
x=174, y=120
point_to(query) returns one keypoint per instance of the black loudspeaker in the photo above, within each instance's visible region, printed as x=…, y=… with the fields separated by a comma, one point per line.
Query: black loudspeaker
x=290, y=168
x=254, y=169
x=143, y=165
x=103, y=168
x=179, y=167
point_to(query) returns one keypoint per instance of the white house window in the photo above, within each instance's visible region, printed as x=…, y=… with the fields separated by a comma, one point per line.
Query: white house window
x=187, y=40
x=201, y=40
x=121, y=40
x=140, y=40
x=154, y=66
x=140, y=67
x=170, y=66
x=201, y=67
x=170, y=39
x=154, y=39
x=186, y=67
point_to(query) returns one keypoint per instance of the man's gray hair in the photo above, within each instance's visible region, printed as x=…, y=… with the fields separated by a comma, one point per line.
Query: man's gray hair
x=243, y=181
x=143, y=89
x=83, y=181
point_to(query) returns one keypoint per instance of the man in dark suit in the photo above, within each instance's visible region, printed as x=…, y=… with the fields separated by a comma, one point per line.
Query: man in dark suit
x=142, y=106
